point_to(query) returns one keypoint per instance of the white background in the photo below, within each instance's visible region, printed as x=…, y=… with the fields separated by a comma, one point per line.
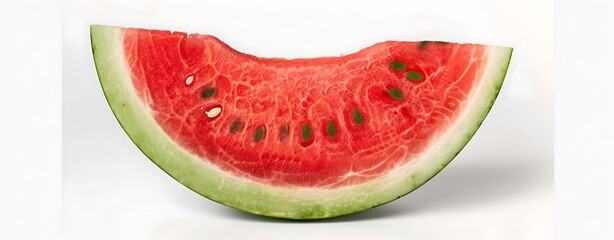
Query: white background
x=112, y=192
x=30, y=119
x=585, y=120
x=500, y=186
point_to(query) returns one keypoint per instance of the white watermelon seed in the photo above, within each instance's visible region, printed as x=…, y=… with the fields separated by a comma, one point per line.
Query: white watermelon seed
x=189, y=80
x=214, y=112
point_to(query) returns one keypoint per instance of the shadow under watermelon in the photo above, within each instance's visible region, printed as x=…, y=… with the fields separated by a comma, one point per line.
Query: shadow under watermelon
x=457, y=188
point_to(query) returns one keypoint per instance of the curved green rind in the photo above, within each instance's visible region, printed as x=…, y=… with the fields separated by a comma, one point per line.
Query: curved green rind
x=281, y=202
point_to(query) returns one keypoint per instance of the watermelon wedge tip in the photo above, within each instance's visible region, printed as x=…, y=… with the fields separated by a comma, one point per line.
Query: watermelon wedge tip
x=304, y=138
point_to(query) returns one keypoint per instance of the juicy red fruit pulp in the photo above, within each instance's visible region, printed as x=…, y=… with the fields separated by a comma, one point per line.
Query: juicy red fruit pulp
x=320, y=122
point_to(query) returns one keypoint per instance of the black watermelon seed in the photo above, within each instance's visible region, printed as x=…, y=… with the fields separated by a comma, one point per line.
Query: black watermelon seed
x=413, y=76
x=283, y=132
x=259, y=134
x=396, y=65
x=306, y=132
x=357, y=117
x=396, y=93
x=331, y=128
x=236, y=126
x=422, y=45
x=208, y=92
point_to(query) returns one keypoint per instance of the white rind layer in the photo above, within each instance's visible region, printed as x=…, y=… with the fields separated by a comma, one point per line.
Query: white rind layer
x=282, y=202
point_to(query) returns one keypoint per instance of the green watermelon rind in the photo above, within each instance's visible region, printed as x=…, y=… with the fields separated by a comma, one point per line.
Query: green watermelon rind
x=242, y=193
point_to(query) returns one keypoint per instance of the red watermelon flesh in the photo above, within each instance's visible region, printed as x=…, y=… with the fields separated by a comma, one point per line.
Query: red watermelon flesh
x=279, y=94
x=315, y=123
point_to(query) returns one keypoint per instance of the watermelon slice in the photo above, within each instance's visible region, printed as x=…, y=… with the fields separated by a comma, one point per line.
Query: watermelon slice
x=301, y=138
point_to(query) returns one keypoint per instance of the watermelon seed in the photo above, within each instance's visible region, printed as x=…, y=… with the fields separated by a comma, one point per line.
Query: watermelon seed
x=259, y=134
x=422, y=45
x=236, y=126
x=413, y=76
x=189, y=80
x=209, y=92
x=396, y=93
x=283, y=132
x=357, y=117
x=396, y=65
x=306, y=132
x=214, y=112
x=332, y=130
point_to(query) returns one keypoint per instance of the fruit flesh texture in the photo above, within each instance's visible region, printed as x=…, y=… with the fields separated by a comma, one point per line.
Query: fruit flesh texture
x=269, y=94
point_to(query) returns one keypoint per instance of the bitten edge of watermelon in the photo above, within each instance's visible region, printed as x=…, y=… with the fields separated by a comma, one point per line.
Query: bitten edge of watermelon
x=291, y=203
